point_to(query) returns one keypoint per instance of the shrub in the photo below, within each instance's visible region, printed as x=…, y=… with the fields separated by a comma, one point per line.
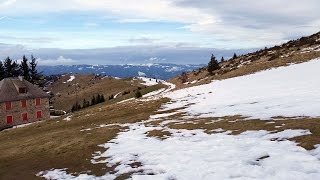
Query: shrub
x=183, y=77
x=138, y=94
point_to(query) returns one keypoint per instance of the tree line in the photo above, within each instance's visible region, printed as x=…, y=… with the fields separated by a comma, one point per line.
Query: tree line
x=214, y=64
x=94, y=100
x=28, y=70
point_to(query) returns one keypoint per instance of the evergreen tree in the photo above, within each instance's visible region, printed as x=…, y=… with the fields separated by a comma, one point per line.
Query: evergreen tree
x=102, y=98
x=76, y=107
x=234, y=56
x=2, y=73
x=73, y=108
x=24, y=68
x=98, y=99
x=93, y=101
x=213, y=64
x=111, y=96
x=34, y=75
x=222, y=59
x=7, y=67
x=85, y=103
x=15, y=69
x=184, y=77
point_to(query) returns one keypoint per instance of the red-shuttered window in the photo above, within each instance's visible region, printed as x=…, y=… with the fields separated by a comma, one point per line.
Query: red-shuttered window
x=8, y=105
x=39, y=114
x=38, y=101
x=23, y=103
x=9, y=119
x=24, y=116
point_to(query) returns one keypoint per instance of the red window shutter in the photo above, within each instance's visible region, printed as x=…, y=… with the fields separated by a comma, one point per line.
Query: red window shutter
x=9, y=119
x=38, y=101
x=39, y=114
x=24, y=116
x=8, y=105
x=24, y=103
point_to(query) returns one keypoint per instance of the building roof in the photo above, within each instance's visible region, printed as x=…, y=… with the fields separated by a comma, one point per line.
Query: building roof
x=9, y=90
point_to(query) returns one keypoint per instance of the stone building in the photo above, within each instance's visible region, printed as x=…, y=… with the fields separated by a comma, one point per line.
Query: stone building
x=21, y=102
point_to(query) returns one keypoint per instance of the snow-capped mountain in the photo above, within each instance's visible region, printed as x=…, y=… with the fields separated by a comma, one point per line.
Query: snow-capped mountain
x=161, y=71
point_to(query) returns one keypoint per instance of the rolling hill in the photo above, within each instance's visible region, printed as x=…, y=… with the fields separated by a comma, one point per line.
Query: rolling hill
x=294, y=51
x=255, y=118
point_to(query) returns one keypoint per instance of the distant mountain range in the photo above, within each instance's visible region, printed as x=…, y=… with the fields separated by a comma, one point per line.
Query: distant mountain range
x=160, y=71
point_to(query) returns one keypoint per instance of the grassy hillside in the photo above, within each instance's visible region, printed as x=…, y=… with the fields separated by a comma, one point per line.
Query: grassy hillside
x=60, y=143
x=295, y=51
x=85, y=86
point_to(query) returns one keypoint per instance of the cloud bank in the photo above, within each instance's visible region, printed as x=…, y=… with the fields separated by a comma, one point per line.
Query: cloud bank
x=118, y=55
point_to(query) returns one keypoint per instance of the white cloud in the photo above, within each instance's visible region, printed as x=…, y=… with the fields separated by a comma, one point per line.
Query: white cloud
x=118, y=55
x=127, y=10
x=242, y=23
x=5, y=3
x=257, y=22
x=59, y=61
x=3, y=17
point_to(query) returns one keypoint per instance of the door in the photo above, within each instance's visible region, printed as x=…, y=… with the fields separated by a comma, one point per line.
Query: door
x=9, y=119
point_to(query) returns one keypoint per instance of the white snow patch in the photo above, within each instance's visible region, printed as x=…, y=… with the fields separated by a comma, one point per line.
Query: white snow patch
x=290, y=91
x=316, y=151
x=310, y=49
x=193, y=82
x=61, y=174
x=68, y=118
x=115, y=96
x=70, y=79
x=126, y=100
x=193, y=154
x=158, y=116
x=149, y=81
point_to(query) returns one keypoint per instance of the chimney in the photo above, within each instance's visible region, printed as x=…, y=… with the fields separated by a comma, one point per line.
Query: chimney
x=20, y=78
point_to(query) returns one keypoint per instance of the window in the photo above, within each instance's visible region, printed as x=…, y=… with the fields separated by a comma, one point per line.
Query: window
x=9, y=119
x=23, y=103
x=24, y=116
x=39, y=114
x=8, y=105
x=22, y=90
x=38, y=101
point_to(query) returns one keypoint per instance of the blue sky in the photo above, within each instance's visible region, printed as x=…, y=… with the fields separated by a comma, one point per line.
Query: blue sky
x=31, y=25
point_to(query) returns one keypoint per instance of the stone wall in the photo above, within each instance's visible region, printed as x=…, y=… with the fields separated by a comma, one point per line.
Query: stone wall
x=17, y=110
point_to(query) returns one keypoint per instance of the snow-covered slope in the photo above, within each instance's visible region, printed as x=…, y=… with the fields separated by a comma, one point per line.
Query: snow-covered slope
x=195, y=154
x=285, y=91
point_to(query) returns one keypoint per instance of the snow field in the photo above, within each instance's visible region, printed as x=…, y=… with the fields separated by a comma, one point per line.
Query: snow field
x=285, y=91
x=193, y=154
x=149, y=81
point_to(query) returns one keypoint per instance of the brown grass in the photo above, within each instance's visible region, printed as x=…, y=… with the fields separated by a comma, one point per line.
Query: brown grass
x=161, y=134
x=66, y=94
x=60, y=144
x=238, y=125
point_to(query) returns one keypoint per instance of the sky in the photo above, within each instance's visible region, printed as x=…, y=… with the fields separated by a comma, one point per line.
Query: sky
x=59, y=32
